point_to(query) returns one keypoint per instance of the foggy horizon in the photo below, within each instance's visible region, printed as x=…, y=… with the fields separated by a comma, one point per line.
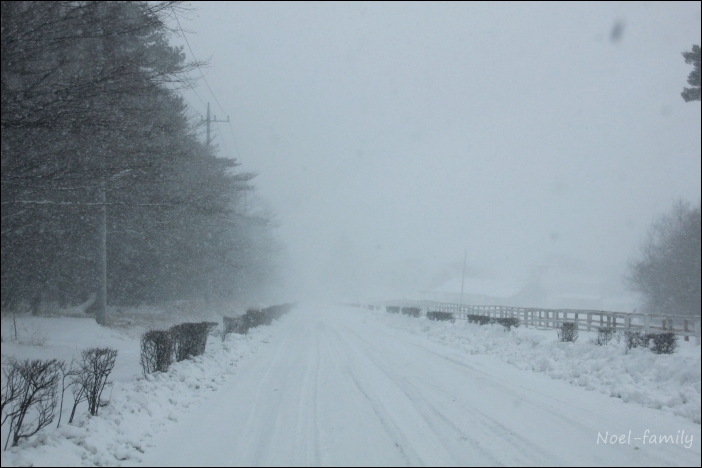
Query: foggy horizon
x=392, y=138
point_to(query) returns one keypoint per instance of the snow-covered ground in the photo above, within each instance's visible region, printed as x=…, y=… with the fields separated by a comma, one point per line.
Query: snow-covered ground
x=329, y=385
x=139, y=407
x=670, y=382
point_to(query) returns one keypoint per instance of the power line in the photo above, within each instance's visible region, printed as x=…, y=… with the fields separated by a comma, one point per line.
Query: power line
x=226, y=149
x=198, y=96
x=231, y=129
x=190, y=104
x=236, y=146
x=198, y=67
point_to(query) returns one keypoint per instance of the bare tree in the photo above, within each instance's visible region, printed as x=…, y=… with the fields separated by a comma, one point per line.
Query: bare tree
x=667, y=273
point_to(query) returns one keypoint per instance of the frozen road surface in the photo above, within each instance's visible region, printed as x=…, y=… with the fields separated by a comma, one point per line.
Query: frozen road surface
x=335, y=386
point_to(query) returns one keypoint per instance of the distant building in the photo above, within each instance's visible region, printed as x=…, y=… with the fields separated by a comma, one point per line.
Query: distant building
x=551, y=290
x=481, y=291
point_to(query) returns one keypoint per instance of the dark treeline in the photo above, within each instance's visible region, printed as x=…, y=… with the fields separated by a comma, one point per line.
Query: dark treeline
x=100, y=165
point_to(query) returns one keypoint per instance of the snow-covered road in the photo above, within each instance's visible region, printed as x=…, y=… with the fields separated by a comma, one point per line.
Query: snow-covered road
x=335, y=386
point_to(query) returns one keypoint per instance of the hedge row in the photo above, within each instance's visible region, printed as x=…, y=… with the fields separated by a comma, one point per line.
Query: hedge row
x=160, y=347
x=409, y=311
x=254, y=318
x=663, y=343
x=445, y=316
x=506, y=322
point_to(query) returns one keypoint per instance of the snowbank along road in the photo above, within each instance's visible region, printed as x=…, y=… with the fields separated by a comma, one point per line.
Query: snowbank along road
x=335, y=386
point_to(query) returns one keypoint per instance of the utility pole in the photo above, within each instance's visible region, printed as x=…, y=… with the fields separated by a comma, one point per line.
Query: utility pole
x=208, y=121
x=101, y=299
x=463, y=278
x=213, y=120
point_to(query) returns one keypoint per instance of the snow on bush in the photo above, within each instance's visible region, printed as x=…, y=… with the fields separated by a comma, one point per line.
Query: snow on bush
x=140, y=406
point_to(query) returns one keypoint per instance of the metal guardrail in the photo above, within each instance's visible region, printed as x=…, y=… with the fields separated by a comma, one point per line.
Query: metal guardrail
x=540, y=318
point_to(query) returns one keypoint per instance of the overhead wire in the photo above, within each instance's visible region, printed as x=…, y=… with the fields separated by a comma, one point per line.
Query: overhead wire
x=236, y=146
x=198, y=67
x=226, y=149
x=231, y=129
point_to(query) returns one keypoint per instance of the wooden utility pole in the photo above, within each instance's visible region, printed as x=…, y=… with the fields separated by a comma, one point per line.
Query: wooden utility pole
x=213, y=120
x=208, y=121
x=101, y=300
x=463, y=278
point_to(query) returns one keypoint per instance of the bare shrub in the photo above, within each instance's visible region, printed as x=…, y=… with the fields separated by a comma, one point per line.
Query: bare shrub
x=604, y=335
x=32, y=336
x=392, y=309
x=634, y=339
x=89, y=378
x=156, y=351
x=11, y=388
x=35, y=383
x=568, y=332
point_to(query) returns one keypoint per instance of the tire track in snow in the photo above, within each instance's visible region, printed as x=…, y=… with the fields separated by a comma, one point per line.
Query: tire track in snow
x=262, y=422
x=426, y=407
x=395, y=434
x=448, y=434
x=307, y=450
x=553, y=420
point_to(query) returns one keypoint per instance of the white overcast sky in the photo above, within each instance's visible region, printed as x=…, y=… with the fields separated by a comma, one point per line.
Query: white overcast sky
x=416, y=131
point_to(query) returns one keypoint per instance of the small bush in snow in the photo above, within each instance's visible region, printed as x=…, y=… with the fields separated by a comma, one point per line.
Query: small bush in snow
x=31, y=387
x=479, y=319
x=507, y=322
x=234, y=325
x=568, y=332
x=277, y=311
x=393, y=309
x=446, y=316
x=664, y=343
x=190, y=339
x=272, y=313
x=604, y=335
x=411, y=311
x=256, y=318
x=156, y=351
x=634, y=339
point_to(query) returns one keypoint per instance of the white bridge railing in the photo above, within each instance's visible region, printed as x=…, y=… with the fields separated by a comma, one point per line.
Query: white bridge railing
x=588, y=320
